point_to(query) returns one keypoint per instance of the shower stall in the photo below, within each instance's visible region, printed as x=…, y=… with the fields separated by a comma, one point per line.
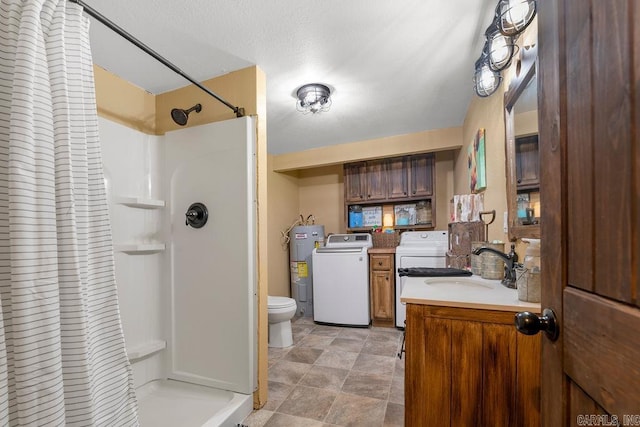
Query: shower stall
x=187, y=289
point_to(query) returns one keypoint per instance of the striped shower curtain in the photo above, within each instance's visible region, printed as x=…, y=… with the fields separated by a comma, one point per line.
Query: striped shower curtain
x=62, y=354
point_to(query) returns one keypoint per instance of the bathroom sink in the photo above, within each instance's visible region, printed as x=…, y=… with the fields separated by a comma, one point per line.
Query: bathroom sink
x=463, y=292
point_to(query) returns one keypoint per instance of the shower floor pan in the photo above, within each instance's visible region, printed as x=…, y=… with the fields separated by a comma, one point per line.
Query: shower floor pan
x=169, y=403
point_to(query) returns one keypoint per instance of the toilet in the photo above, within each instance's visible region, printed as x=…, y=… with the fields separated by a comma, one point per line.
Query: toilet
x=281, y=310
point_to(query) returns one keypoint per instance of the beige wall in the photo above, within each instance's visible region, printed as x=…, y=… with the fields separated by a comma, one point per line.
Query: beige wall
x=123, y=102
x=127, y=104
x=284, y=209
x=444, y=186
x=486, y=113
x=317, y=192
x=237, y=88
x=321, y=193
x=399, y=145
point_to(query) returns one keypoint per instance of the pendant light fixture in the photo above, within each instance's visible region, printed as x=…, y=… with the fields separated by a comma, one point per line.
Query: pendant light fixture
x=515, y=15
x=313, y=98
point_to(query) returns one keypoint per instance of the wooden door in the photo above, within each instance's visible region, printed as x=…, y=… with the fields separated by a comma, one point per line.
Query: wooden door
x=355, y=181
x=398, y=172
x=590, y=186
x=376, y=180
x=421, y=175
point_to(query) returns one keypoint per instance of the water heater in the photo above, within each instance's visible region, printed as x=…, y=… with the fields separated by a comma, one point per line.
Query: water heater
x=303, y=239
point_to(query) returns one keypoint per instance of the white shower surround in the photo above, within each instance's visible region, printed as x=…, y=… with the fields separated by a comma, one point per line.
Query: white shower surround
x=140, y=165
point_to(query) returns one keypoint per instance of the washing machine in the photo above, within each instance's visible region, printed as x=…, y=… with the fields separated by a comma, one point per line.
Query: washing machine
x=341, y=280
x=418, y=249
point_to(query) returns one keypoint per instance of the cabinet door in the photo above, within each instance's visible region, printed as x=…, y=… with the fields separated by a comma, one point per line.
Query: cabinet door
x=398, y=173
x=355, y=176
x=527, y=162
x=376, y=180
x=421, y=175
x=461, y=369
x=382, y=298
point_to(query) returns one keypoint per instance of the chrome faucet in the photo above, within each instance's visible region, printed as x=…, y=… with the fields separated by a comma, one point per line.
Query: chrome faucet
x=510, y=263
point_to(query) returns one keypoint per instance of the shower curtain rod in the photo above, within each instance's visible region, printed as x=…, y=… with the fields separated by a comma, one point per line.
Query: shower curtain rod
x=112, y=26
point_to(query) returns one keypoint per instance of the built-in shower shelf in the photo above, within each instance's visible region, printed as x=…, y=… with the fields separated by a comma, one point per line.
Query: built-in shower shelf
x=140, y=248
x=140, y=202
x=145, y=350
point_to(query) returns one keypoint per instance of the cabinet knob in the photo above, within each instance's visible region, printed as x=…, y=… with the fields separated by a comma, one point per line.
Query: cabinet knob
x=380, y=263
x=414, y=191
x=405, y=193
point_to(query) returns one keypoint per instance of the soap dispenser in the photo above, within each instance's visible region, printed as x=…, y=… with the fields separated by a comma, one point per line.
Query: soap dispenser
x=528, y=276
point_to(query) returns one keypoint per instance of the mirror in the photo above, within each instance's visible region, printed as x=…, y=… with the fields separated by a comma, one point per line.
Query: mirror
x=523, y=165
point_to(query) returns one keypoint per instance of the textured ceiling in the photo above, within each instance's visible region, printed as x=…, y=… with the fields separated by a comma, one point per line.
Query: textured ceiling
x=396, y=66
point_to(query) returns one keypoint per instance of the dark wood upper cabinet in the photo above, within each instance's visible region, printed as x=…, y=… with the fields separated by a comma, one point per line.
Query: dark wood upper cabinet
x=376, y=180
x=527, y=163
x=392, y=181
x=397, y=172
x=355, y=182
x=421, y=175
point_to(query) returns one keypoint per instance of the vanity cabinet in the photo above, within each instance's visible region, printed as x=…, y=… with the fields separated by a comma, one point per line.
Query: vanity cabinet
x=469, y=367
x=382, y=286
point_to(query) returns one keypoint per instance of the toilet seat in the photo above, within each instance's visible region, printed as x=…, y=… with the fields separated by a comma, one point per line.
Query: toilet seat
x=280, y=302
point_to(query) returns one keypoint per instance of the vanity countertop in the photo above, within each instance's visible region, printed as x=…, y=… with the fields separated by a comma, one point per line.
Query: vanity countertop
x=463, y=292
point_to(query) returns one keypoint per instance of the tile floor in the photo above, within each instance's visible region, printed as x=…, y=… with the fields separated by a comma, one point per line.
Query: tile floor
x=334, y=376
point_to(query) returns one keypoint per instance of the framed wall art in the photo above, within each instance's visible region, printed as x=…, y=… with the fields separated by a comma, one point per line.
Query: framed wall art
x=477, y=163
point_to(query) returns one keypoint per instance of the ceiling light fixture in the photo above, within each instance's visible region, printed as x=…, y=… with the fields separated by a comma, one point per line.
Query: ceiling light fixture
x=515, y=15
x=313, y=98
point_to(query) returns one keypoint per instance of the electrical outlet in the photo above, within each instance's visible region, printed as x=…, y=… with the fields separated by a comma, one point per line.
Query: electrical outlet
x=505, y=222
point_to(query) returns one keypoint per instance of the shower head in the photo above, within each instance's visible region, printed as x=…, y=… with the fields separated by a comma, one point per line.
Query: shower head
x=181, y=116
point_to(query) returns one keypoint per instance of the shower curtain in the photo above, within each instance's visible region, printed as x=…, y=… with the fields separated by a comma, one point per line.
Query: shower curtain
x=62, y=354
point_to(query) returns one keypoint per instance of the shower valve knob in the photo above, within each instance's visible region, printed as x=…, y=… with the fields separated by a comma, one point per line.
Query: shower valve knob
x=196, y=216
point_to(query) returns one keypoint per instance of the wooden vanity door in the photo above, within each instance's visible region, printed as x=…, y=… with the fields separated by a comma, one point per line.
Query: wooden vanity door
x=589, y=103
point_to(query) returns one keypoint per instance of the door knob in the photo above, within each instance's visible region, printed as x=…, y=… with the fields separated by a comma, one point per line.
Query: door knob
x=530, y=323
